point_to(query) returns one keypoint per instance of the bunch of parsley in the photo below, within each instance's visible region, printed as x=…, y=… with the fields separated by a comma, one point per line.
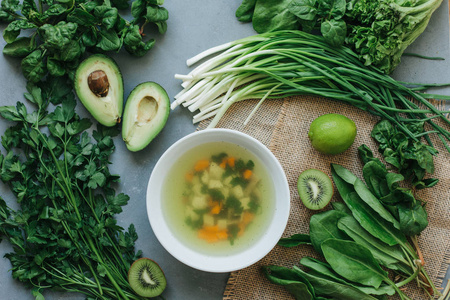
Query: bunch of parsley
x=56, y=33
x=64, y=233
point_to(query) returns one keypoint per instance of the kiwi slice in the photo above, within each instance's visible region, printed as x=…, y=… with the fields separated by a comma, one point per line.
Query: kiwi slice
x=315, y=189
x=146, y=278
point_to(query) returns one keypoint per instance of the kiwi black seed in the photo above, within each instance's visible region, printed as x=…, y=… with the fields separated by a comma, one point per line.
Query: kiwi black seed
x=314, y=188
x=146, y=278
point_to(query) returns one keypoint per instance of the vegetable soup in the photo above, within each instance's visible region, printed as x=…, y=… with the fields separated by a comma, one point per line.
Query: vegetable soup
x=218, y=198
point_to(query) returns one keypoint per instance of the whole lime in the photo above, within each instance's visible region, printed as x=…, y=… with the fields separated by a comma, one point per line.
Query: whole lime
x=332, y=133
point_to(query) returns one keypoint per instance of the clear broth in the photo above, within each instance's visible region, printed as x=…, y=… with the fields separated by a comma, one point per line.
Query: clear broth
x=174, y=207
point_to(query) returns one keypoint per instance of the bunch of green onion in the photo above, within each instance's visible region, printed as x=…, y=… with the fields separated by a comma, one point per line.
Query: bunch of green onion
x=286, y=63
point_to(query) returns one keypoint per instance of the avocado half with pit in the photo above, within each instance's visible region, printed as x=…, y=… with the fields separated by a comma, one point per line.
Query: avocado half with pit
x=146, y=112
x=99, y=86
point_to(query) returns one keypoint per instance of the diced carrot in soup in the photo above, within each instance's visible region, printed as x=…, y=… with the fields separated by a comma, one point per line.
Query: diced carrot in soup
x=201, y=165
x=215, y=210
x=247, y=217
x=247, y=174
x=231, y=161
x=189, y=176
x=223, y=164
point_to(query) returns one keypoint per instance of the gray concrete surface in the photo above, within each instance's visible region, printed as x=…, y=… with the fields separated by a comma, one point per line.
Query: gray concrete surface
x=193, y=26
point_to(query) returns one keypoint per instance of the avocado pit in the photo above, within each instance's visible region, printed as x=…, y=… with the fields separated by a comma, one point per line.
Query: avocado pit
x=98, y=83
x=146, y=112
x=148, y=108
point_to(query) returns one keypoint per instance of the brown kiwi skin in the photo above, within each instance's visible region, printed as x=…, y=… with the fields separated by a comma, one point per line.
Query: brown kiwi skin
x=146, y=258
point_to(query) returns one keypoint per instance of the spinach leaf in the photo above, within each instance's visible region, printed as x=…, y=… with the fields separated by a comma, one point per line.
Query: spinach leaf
x=56, y=37
x=109, y=40
x=375, y=176
x=329, y=288
x=303, y=9
x=334, y=31
x=271, y=15
x=365, y=215
x=244, y=12
x=413, y=159
x=64, y=29
x=14, y=28
x=324, y=270
x=294, y=282
x=339, y=206
x=20, y=47
x=295, y=240
x=413, y=218
x=33, y=66
x=332, y=9
x=386, y=255
x=364, y=194
x=323, y=226
x=353, y=262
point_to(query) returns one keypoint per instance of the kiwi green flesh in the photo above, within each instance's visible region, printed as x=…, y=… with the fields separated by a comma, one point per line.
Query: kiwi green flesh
x=315, y=189
x=146, y=278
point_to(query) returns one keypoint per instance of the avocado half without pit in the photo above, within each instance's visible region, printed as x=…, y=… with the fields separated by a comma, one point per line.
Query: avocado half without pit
x=146, y=112
x=99, y=86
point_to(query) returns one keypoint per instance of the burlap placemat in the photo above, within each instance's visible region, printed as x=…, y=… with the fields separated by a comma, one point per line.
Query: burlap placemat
x=282, y=125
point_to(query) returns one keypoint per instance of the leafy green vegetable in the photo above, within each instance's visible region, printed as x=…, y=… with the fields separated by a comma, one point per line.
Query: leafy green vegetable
x=379, y=31
x=324, y=226
x=291, y=280
x=64, y=234
x=385, y=185
x=329, y=288
x=53, y=44
x=272, y=15
x=356, y=263
x=389, y=256
x=413, y=159
x=286, y=63
x=295, y=240
x=365, y=215
x=324, y=270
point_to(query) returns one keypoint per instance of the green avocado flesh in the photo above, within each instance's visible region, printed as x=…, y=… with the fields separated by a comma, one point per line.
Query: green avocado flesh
x=99, y=86
x=146, y=112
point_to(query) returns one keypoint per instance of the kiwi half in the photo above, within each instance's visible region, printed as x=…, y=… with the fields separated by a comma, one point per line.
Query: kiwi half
x=146, y=278
x=315, y=189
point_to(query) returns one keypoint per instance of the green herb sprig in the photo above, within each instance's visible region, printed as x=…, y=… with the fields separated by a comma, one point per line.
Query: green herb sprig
x=355, y=239
x=56, y=34
x=64, y=234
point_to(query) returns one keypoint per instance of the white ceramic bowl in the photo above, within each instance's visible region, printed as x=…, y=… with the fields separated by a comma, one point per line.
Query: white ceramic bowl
x=216, y=263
